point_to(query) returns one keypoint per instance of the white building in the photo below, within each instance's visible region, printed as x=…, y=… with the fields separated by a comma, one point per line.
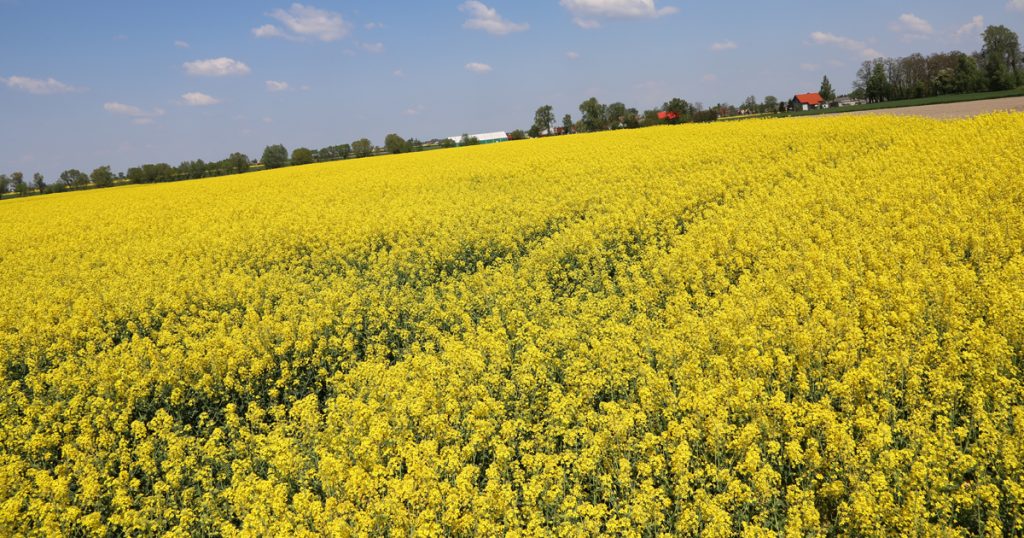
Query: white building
x=484, y=138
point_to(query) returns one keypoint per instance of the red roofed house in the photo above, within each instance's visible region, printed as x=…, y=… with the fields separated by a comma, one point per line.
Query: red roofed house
x=668, y=116
x=807, y=101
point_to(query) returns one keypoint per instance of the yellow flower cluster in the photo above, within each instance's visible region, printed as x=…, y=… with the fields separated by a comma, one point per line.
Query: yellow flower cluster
x=801, y=327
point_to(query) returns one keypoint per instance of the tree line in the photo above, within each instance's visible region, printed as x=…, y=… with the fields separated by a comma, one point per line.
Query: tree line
x=999, y=65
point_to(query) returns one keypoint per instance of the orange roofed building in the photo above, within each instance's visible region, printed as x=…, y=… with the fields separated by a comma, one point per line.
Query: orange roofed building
x=807, y=101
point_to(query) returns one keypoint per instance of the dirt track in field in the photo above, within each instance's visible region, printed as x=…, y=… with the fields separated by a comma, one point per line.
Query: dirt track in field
x=954, y=110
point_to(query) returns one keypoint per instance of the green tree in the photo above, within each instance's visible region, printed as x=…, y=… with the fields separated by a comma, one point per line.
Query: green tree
x=362, y=148
x=274, y=156
x=594, y=115
x=679, y=107
x=447, y=143
x=967, y=77
x=73, y=178
x=102, y=177
x=615, y=115
x=543, y=120
x=18, y=183
x=877, y=88
x=394, y=143
x=771, y=104
x=826, y=92
x=301, y=156
x=238, y=163
x=518, y=134
x=39, y=182
x=467, y=140
x=567, y=124
x=5, y=184
x=1002, y=58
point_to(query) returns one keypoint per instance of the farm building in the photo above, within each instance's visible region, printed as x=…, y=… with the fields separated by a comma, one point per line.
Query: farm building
x=807, y=101
x=667, y=116
x=484, y=138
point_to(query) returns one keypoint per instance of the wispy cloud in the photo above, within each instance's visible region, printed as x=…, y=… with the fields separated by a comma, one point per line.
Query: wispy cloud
x=912, y=27
x=586, y=13
x=302, y=22
x=724, y=46
x=138, y=115
x=216, y=67
x=825, y=38
x=413, y=110
x=36, y=86
x=372, y=48
x=572, y=55
x=373, y=25
x=710, y=77
x=198, y=99
x=276, y=86
x=973, y=27
x=181, y=44
x=479, y=68
x=809, y=67
x=1015, y=5
x=482, y=17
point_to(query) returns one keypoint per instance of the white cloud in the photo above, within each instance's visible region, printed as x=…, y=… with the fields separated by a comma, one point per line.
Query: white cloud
x=824, y=38
x=487, y=19
x=181, y=44
x=723, y=46
x=305, y=22
x=373, y=25
x=413, y=111
x=973, y=27
x=912, y=27
x=1015, y=5
x=572, y=55
x=398, y=73
x=809, y=67
x=138, y=115
x=586, y=12
x=216, y=67
x=373, y=48
x=276, y=86
x=709, y=77
x=479, y=68
x=38, y=86
x=198, y=99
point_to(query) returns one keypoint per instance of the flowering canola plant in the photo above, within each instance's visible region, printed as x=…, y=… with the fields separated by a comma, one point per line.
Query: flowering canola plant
x=806, y=327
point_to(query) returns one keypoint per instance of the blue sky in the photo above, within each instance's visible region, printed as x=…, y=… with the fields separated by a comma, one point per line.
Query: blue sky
x=84, y=84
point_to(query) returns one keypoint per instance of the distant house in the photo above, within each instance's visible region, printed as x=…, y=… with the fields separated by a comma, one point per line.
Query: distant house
x=669, y=116
x=846, y=100
x=807, y=101
x=484, y=138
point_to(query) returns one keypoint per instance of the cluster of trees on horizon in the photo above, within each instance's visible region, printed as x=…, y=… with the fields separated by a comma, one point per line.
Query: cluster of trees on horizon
x=999, y=65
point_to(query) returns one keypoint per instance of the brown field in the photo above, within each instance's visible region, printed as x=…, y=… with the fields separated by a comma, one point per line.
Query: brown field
x=954, y=110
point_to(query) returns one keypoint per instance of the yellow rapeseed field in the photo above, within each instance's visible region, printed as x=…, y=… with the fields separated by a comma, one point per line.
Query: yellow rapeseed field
x=800, y=327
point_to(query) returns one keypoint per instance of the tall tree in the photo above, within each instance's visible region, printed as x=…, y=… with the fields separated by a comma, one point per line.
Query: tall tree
x=771, y=104
x=750, y=104
x=275, y=156
x=5, y=184
x=362, y=147
x=102, y=177
x=18, y=184
x=1002, y=58
x=567, y=124
x=543, y=119
x=826, y=92
x=39, y=182
x=301, y=156
x=593, y=115
x=394, y=143
x=877, y=88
